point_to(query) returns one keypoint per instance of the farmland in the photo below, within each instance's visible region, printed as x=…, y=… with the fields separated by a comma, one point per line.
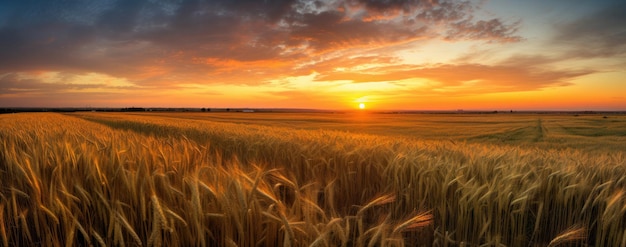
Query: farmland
x=312, y=179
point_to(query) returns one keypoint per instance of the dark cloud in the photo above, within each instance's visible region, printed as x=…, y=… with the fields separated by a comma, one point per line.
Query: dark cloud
x=161, y=42
x=425, y=9
x=270, y=10
x=331, y=30
x=21, y=14
x=600, y=34
x=389, y=4
x=447, y=11
x=493, y=30
x=120, y=20
x=53, y=46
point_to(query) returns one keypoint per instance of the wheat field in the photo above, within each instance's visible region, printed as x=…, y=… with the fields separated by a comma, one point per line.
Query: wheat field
x=117, y=179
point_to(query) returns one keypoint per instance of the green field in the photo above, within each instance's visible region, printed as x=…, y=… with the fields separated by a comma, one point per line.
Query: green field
x=312, y=179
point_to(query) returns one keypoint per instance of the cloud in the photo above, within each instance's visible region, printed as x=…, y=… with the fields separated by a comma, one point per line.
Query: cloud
x=15, y=84
x=195, y=40
x=384, y=5
x=469, y=78
x=12, y=84
x=493, y=30
x=600, y=34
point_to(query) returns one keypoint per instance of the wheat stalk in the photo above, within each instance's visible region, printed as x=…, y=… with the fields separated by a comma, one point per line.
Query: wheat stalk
x=3, y=232
x=420, y=220
x=575, y=233
x=98, y=238
x=128, y=228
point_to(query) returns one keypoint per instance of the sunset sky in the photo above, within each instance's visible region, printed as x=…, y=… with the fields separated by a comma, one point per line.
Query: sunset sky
x=329, y=54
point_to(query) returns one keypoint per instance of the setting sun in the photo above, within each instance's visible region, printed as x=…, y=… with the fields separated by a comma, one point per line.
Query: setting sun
x=362, y=106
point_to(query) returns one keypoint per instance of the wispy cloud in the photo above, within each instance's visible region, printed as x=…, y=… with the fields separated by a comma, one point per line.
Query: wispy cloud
x=18, y=83
x=469, y=78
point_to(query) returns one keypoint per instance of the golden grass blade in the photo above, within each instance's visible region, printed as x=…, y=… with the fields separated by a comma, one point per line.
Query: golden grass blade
x=69, y=240
x=381, y=200
x=419, y=221
x=129, y=228
x=573, y=234
x=24, y=224
x=83, y=232
x=3, y=232
x=98, y=238
x=49, y=213
x=176, y=216
x=320, y=240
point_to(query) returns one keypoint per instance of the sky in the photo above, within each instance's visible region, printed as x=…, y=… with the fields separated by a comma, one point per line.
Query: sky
x=328, y=54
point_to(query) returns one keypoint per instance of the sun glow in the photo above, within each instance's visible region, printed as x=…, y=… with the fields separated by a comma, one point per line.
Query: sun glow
x=361, y=105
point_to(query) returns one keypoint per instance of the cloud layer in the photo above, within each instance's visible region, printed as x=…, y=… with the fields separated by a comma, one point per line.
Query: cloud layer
x=168, y=45
x=132, y=38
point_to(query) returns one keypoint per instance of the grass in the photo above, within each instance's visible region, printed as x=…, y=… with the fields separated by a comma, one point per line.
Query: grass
x=204, y=180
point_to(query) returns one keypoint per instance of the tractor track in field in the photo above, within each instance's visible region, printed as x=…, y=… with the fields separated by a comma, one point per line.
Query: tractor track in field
x=540, y=131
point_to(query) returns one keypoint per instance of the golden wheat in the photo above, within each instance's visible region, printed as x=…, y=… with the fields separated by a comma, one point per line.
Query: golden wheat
x=569, y=235
x=122, y=179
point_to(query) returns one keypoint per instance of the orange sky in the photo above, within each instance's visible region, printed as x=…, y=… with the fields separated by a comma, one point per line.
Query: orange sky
x=334, y=54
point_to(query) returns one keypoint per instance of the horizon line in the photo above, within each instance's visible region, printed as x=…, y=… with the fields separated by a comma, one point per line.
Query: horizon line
x=287, y=109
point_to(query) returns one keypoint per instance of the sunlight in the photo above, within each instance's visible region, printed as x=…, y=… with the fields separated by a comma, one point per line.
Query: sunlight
x=361, y=105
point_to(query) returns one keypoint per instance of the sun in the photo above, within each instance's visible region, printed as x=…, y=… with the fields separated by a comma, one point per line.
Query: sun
x=361, y=105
